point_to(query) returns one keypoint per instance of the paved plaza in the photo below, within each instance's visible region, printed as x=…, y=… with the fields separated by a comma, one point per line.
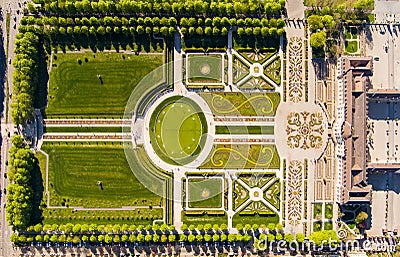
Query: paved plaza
x=383, y=46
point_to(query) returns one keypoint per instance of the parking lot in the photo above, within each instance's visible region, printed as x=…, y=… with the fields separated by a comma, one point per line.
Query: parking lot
x=383, y=45
x=385, y=204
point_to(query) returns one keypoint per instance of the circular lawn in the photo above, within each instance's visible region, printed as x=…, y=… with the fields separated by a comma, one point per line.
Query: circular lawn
x=177, y=126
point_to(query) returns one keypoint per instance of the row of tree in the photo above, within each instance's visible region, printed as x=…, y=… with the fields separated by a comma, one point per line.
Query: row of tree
x=132, y=238
x=70, y=228
x=163, y=31
x=25, y=77
x=326, y=237
x=164, y=7
x=19, y=197
x=154, y=21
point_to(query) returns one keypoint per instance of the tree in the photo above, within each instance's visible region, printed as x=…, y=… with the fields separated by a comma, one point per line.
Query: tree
x=108, y=239
x=183, y=227
x=223, y=227
x=224, y=237
x=183, y=237
x=156, y=238
x=93, y=239
x=132, y=238
x=255, y=226
x=39, y=238
x=171, y=238
x=84, y=228
x=141, y=237
x=315, y=22
x=100, y=238
x=239, y=227
x=208, y=31
x=215, y=227
x=224, y=31
x=232, y=237
x=300, y=237
x=288, y=238
x=329, y=22
x=318, y=39
x=361, y=216
x=271, y=227
x=148, y=238
x=164, y=31
x=76, y=229
x=199, y=237
x=199, y=31
x=171, y=31
x=207, y=237
x=325, y=237
x=215, y=237
x=191, y=238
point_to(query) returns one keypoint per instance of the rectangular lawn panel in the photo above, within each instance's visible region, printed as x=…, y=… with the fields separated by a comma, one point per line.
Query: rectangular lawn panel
x=85, y=129
x=75, y=169
x=204, y=219
x=136, y=217
x=255, y=219
x=328, y=211
x=242, y=156
x=317, y=210
x=76, y=90
x=204, y=68
x=243, y=130
x=208, y=189
x=351, y=46
x=244, y=104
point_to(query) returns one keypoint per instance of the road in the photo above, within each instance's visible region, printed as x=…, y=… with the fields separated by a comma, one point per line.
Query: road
x=14, y=8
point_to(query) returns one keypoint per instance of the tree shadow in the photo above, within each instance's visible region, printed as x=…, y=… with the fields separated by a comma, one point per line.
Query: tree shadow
x=41, y=93
x=3, y=68
x=37, y=200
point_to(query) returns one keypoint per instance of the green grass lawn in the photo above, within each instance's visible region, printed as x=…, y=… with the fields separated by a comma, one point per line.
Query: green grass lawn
x=242, y=156
x=240, y=69
x=272, y=194
x=84, y=129
x=240, y=195
x=75, y=89
x=273, y=70
x=204, y=219
x=205, y=193
x=269, y=130
x=255, y=219
x=328, y=226
x=176, y=128
x=256, y=179
x=328, y=211
x=136, y=217
x=317, y=226
x=204, y=68
x=246, y=104
x=75, y=169
x=317, y=210
x=351, y=46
